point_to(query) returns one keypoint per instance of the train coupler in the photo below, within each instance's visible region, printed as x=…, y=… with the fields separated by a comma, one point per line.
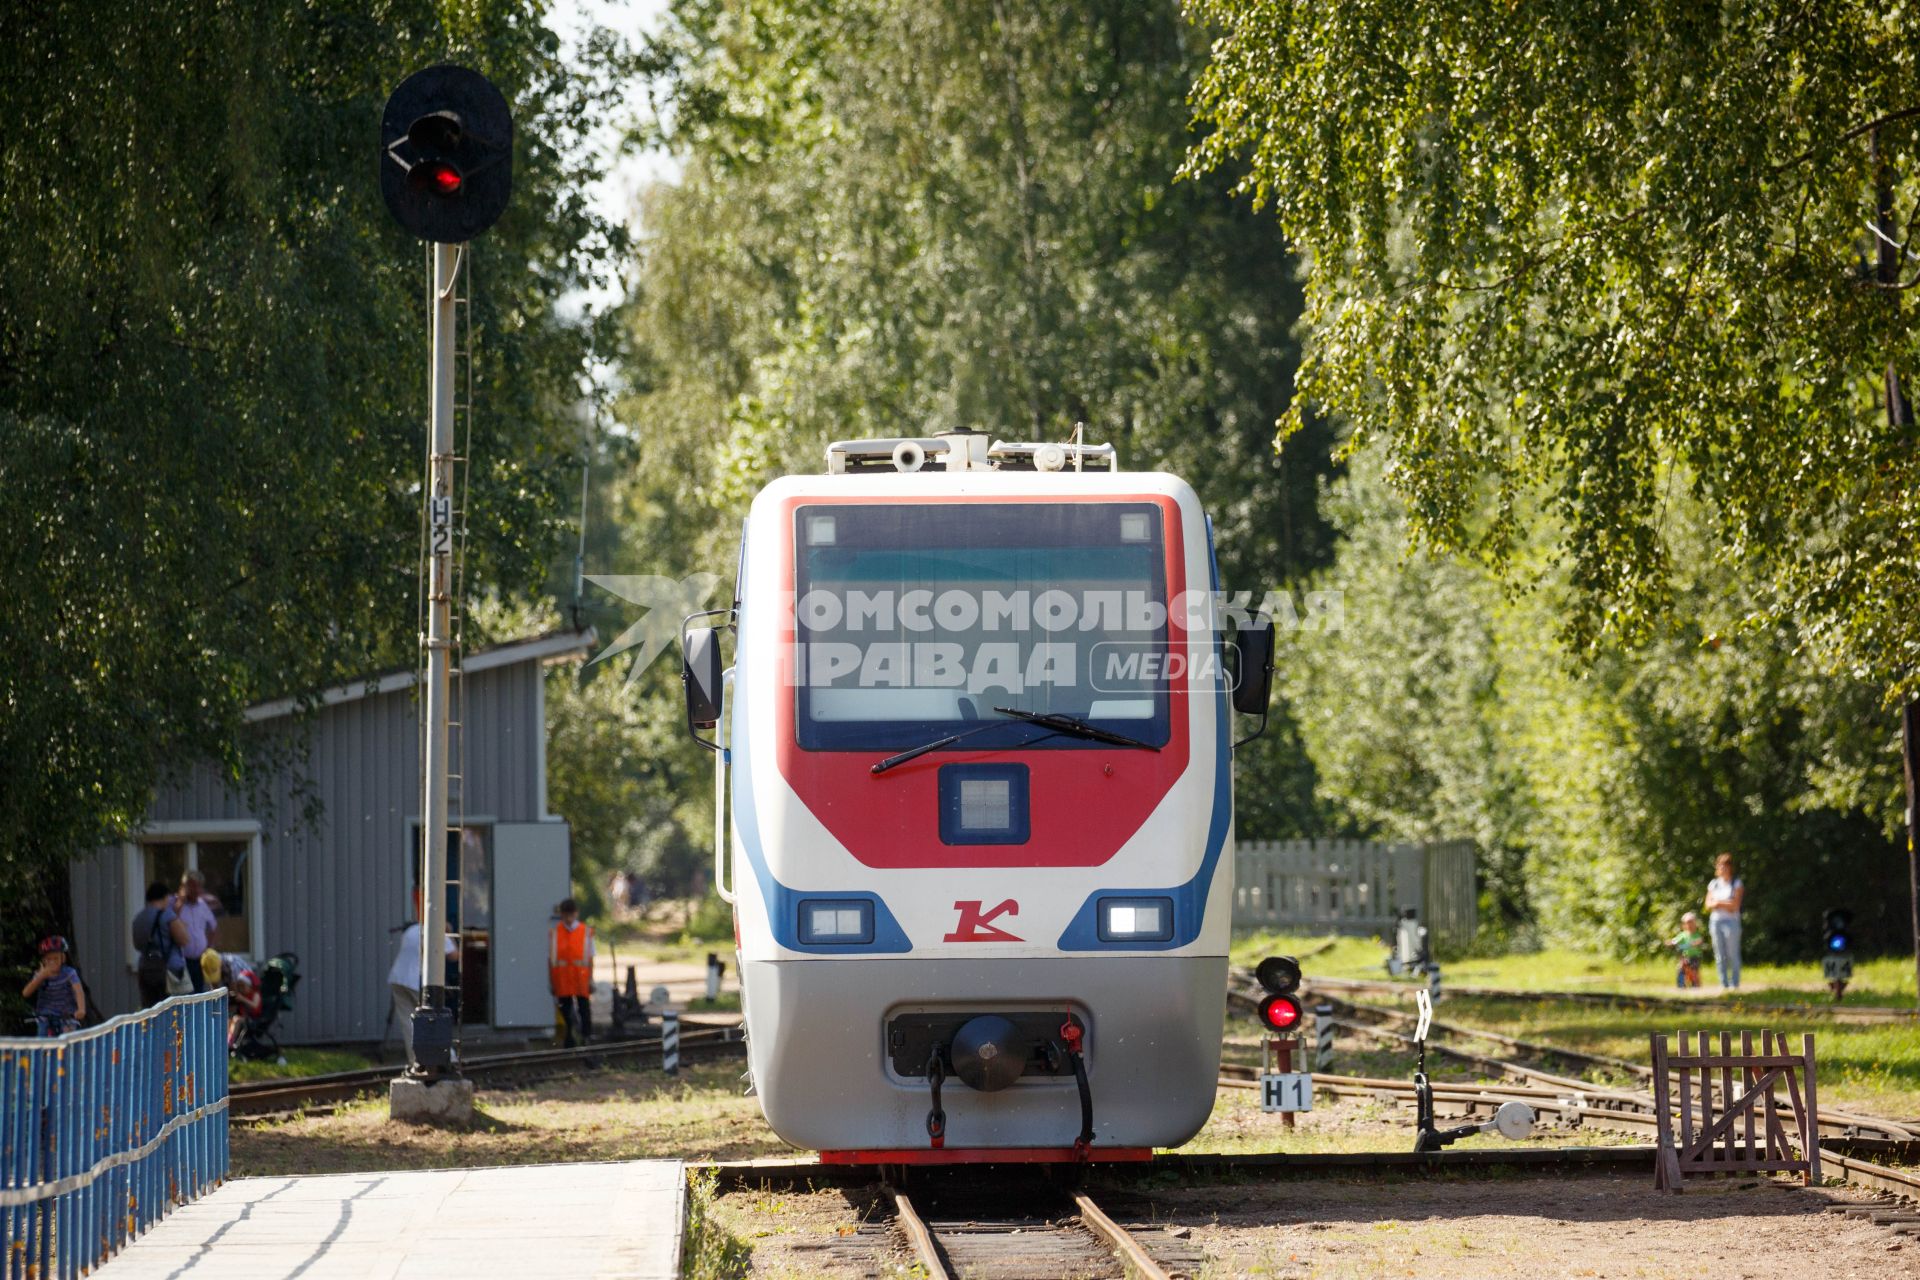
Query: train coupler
x=937, y=1116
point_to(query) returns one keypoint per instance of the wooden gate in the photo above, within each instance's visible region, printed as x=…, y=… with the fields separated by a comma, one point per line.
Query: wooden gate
x=1736, y=1132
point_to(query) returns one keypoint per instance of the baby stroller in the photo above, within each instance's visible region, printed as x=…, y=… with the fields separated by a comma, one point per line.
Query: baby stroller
x=278, y=978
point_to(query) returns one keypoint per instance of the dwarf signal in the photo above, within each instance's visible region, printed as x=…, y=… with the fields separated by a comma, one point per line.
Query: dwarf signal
x=1280, y=975
x=1836, y=954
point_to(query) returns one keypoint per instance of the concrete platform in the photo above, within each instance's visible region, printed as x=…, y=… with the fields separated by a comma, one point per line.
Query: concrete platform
x=577, y=1221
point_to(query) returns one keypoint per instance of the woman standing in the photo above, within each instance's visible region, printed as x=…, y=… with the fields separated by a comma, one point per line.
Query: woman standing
x=1725, y=893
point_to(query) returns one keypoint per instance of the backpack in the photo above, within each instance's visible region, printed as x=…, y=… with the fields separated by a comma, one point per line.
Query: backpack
x=153, y=956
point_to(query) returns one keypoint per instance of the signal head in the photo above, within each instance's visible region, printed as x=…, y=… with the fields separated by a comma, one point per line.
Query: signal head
x=1279, y=974
x=446, y=154
x=1839, y=929
x=1281, y=1013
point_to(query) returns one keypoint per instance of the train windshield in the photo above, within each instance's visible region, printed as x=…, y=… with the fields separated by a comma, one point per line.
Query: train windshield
x=917, y=621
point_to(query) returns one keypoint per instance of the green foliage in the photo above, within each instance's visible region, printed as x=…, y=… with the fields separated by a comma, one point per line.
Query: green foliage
x=617, y=770
x=212, y=375
x=1612, y=253
x=708, y=1250
x=1794, y=980
x=1399, y=710
x=895, y=219
x=712, y=921
x=1599, y=793
x=299, y=1062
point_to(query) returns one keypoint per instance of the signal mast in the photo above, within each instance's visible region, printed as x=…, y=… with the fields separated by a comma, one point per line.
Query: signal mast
x=446, y=171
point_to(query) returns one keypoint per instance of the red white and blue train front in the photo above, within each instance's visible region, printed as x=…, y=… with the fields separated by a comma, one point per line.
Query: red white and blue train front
x=981, y=812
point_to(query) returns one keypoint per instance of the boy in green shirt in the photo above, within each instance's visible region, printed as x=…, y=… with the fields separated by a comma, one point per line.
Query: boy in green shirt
x=1690, y=944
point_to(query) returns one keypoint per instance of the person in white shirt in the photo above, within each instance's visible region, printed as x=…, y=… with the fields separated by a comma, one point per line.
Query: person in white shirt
x=403, y=981
x=1725, y=894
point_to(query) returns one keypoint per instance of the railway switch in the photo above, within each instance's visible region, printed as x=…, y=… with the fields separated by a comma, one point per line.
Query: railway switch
x=1512, y=1120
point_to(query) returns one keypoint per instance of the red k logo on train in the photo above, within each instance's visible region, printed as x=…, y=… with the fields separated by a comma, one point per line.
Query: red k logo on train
x=976, y=925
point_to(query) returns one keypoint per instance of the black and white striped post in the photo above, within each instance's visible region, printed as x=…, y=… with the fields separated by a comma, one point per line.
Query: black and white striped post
x=670, y=1040
x=1323, y=1033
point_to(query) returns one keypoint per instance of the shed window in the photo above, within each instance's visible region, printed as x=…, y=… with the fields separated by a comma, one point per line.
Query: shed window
x=228, y=864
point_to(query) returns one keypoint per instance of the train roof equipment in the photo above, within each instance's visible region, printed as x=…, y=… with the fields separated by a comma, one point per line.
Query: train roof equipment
x=966, y=450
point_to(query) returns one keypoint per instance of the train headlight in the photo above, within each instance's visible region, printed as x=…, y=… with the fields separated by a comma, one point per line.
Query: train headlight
x=834, y=921
x=1136, y=919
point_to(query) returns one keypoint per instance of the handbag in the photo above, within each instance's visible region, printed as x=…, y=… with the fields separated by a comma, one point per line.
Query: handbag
x=153, y=956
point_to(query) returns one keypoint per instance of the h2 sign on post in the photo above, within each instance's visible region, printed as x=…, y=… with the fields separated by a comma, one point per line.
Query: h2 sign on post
x=441, y=523
x=1286, y=1091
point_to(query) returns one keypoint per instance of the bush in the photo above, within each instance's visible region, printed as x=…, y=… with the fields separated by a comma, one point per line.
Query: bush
x=712, y=921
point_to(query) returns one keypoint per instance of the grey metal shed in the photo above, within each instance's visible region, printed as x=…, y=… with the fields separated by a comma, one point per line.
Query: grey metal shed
x=324, y=864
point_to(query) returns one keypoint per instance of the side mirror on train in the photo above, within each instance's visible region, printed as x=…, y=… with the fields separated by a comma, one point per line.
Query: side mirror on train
x=1254, y=644
x=701, y=674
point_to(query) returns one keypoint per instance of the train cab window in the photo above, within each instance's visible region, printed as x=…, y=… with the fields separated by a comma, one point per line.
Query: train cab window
x=914, y=621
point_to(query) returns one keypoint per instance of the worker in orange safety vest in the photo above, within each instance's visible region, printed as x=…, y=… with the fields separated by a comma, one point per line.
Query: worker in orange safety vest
x=570, y=973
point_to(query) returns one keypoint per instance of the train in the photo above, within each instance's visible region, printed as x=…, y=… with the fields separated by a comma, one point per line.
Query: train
x=974, y=800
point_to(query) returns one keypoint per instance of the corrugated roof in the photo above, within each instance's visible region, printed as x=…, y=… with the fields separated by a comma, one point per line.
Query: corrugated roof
x=551, y=644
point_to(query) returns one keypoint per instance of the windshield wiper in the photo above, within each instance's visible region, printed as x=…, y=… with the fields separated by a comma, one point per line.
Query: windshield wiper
x=914, y=753
x=1060, y=722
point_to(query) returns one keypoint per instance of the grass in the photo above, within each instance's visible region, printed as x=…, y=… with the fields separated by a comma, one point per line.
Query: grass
x=1885, y=980
x=600, y=1115
x=709, y=1251
x=299, y=1062
x=1872, y=1067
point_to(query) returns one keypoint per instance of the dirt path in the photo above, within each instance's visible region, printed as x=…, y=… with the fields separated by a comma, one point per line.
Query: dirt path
x=1607, y=1226
x=1449, y=1228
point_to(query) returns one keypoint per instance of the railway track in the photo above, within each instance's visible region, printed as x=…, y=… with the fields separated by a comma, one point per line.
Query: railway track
x=1382, y=1023
x=965, y=1242
x=260, y=1099
x=1832, y=1013
x=1845, y=1152
x=1847, y=1138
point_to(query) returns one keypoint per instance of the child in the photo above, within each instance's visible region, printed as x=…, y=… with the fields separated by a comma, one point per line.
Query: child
x=1690, y=944
x=59, y=1001
x=243, y=995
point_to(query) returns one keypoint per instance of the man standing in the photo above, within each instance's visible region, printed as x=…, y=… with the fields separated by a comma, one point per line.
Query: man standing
x=403, y=983
x=570, y=971
x=196, y=915
x=157, y=935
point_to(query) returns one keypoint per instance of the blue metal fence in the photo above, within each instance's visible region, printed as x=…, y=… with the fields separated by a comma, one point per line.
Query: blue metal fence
x=105, y=1130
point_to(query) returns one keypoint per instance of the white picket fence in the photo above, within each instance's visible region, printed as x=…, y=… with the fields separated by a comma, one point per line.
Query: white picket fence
x=1355, y=886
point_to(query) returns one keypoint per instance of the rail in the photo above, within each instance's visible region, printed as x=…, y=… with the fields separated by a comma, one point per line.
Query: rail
x=990, y=1246
x=256, y=1099
x=1834, y=1122
x=104, y=1131
x=1849, y=1013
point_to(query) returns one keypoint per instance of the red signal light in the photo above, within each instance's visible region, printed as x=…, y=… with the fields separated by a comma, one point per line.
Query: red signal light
x=1282, y=1013
x=440, y=178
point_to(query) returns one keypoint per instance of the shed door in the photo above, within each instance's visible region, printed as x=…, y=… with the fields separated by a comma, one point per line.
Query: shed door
x=532, y=870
